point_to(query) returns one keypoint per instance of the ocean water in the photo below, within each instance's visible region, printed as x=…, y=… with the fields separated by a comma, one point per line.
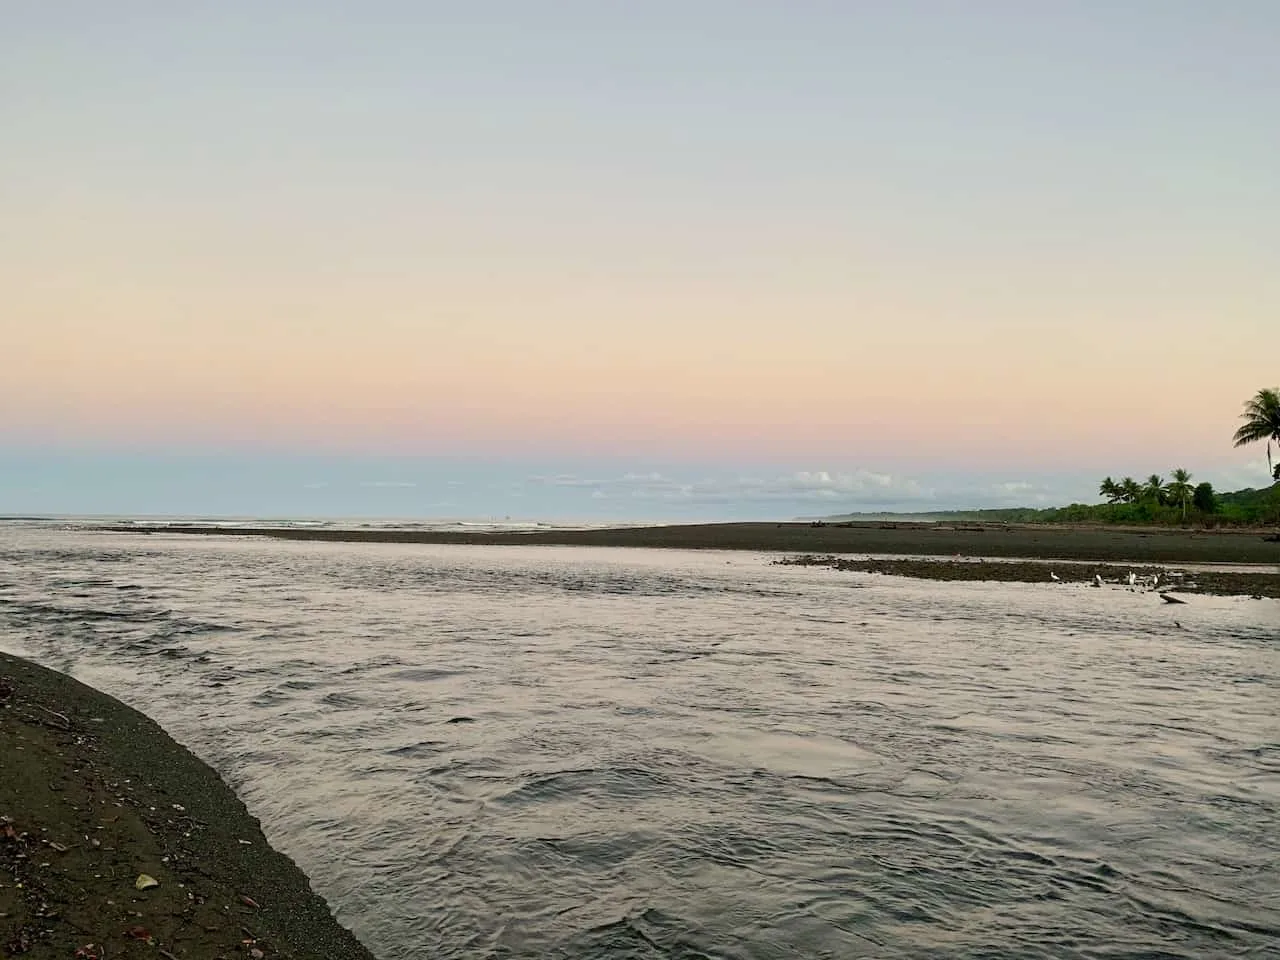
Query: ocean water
x=572, y=753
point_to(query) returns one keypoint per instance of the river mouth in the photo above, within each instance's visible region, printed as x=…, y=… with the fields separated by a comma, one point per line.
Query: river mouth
x=580, y=752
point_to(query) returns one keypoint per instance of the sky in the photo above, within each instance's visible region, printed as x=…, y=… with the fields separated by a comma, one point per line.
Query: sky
x=630, y=260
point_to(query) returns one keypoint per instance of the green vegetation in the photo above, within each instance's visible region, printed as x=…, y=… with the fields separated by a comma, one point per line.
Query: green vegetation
x=1179, y=490
x=1251, y=506
x=1158, y=502
x=1153, y=501
x=1175, y=502
x=1204, y=508
x=1204, y=499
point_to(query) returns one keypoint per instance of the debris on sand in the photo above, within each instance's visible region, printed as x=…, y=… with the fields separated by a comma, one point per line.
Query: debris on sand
x=1219, y=582
x=117, y=842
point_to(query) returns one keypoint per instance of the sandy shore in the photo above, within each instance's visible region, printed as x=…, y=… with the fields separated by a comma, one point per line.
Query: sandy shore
x=1181, y=585
x=1028, y=541
x=92, y=795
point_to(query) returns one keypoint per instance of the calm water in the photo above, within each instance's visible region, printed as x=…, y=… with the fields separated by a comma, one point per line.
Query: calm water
x=559, y=752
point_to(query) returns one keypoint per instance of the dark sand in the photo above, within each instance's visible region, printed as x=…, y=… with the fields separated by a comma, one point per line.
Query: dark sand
x=1030, y=541
x=92, y=794
x=1177, y=583
x=1142, y=549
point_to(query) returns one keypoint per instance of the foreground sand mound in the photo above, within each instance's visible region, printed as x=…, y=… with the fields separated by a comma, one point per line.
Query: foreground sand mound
x=115, y=841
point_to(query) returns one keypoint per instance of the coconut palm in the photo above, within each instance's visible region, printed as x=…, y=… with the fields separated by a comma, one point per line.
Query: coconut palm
x=1111, y=490
x=1154, y=489
x=1130, y=490
x=1261, y=422
x=1179, y=489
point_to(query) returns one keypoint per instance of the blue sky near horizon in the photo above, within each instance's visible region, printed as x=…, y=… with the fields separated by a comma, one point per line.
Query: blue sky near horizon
x=566, y=491
x=723, y=259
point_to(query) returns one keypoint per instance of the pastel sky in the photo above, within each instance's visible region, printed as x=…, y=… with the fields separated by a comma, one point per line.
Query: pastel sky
x=962, y=246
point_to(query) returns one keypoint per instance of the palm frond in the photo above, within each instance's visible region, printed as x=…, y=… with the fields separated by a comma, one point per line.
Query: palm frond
x=1261, y=418
x=1252, y=432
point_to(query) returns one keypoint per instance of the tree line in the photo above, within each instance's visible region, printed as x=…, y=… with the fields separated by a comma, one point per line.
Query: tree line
x=1156, y=499
x=1178, y=492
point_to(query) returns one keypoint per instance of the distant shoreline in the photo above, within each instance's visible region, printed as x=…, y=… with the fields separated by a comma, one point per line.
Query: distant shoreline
x=1023, y=541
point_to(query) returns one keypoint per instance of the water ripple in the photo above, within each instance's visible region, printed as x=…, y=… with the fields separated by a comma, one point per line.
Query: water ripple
x=572, y=753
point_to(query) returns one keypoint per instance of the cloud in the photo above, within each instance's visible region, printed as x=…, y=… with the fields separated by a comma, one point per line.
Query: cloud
x=827, y=492
x=318, y=485
x=1015, y=486
x=805, y=486
x=1252, y=473
x=1017, y=493
x=387, y=483
x=561, y=480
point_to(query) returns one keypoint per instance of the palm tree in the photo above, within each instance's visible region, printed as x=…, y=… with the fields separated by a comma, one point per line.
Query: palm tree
x=1111, y=490
x=1154, y=489
x=1261, y=422
x=1130, y=490
x=1179, y=489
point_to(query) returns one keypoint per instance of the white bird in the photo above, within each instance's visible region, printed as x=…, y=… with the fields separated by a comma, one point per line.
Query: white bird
x=1155, y=580
x=1054, y=577
x=1097, y=579
x=1133, y=578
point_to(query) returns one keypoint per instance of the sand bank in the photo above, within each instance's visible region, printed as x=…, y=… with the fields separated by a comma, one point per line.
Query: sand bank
x=1180, y=584
x=1029, y=541
x=93, y=795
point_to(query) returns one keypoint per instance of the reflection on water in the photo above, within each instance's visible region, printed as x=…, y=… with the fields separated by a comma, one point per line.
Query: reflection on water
x=567, y=752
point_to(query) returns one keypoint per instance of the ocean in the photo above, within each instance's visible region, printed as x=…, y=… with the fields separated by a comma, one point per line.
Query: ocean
x=588, y=752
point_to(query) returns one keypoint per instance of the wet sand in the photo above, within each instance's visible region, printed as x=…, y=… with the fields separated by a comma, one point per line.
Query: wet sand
x=92, y=795
x=1179, y=584
x=1028, y=541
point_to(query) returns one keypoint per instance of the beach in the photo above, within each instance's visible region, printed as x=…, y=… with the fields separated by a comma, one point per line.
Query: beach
x=1177, y=585
x=94, y=796
x=1029, y=541
x=1023, y=552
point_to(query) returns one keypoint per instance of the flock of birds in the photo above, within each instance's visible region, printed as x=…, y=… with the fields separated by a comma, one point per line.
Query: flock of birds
x=1135, y=583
